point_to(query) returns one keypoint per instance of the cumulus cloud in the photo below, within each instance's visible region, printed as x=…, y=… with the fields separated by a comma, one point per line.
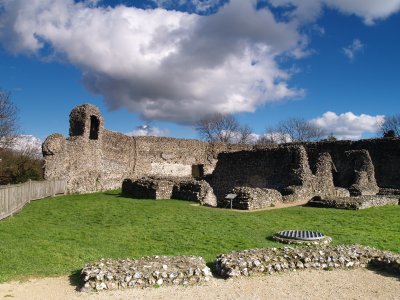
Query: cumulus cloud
x=148, y=130
x=369, y=10
x=353, y=49
x=163, y=64
x=348, y=125
x=28, y=144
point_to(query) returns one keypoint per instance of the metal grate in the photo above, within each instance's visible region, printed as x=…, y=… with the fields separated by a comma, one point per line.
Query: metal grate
x=301, y=235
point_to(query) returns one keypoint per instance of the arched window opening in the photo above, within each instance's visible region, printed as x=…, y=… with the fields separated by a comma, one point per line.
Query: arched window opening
x=94, y=128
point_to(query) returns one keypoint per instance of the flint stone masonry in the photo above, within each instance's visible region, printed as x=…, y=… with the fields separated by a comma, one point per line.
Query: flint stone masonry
x=95, y=159
x=254, y=198
x=170, y=188
x=167, y=169
x=255, y=261
x=145, y=272
x=364, y=179
x=284, y=168
x=148, y=188
x=195, y=190
x=385, y=191
x=354, y=203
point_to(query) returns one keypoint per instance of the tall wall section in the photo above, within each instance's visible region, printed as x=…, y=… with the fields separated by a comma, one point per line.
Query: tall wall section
x=95, y=159
x=384, y=154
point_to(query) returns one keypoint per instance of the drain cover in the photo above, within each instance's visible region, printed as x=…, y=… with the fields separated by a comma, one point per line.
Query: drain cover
x=301, y=235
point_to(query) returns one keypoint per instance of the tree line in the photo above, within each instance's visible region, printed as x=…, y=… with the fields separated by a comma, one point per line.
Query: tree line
x=16, y=166
x=226, y=128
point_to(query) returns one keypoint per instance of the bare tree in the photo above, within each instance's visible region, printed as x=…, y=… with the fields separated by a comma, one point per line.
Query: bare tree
x=244, y=135
x=268, y=138
x=223, y=128
x=391, y=126
x=295, y=130
x=8, y=119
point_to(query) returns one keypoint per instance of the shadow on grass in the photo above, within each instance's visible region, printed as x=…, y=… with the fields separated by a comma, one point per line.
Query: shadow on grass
x=75, y=280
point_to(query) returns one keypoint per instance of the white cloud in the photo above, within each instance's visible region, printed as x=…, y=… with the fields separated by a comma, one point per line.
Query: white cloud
x=147, y=130
x=164, y=64
x=348, y=125
x=353, y=49
x=369, y=10
x=28, y=144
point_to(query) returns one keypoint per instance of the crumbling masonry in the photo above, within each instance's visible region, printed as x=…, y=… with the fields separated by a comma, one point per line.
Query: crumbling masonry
x=95, y=159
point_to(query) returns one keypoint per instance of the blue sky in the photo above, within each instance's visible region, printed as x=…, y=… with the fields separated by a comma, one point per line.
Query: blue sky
x=332, y=62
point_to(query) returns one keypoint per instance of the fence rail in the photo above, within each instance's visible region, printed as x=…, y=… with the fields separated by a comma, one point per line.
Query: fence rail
x=14, y=197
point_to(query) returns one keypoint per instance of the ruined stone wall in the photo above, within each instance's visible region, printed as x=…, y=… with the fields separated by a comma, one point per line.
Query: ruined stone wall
x=384, y=153
x=95, y=159
x=276, y=168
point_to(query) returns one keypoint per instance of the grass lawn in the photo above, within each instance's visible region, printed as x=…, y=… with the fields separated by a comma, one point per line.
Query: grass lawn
x=57, y=236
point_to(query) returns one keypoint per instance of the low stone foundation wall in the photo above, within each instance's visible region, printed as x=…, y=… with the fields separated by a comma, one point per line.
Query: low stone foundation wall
x=170, y=188
x=256, y=261
x=145, y=272
x=195, y=190
x=254, y=198
x=148, y=188
x=355, y=203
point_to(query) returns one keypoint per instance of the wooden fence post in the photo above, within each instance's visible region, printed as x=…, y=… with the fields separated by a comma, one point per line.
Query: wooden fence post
x=29, y=190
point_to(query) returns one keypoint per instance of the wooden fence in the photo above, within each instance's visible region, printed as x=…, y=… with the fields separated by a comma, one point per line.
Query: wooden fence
x=14, y=197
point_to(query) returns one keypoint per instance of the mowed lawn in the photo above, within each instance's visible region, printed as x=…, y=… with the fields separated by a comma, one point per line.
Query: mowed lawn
x=57, y=236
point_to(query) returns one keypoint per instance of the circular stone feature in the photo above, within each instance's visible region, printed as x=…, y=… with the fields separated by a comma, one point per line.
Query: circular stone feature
x=301, y=237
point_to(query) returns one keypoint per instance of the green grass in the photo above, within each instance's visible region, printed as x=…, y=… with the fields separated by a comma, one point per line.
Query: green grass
x=59, y=235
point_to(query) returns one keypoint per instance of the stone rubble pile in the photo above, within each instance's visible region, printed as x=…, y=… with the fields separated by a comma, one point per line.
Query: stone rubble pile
x=355, y=203
x=145, y=272
x=256, y=261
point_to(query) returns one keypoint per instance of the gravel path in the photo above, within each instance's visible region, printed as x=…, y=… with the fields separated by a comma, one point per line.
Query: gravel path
x=338, y=284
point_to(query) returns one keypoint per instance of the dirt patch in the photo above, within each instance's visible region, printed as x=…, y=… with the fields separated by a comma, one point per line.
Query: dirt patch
x=338, y=284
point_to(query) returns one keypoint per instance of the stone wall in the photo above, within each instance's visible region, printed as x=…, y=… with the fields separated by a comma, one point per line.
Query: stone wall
x=384, y=154
x=355, y=203
x=275, y=260
x=302, y=171
x=152, y=271
x=276, y=168
x=254, y=198
x=170, y=188
x=95, y=159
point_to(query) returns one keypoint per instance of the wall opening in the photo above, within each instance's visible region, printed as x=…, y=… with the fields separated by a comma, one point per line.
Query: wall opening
x=198, y=171
x=94, y=128
x=77, y=128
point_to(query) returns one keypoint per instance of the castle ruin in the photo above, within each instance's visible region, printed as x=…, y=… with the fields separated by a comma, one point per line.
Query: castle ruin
x=95, y=159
